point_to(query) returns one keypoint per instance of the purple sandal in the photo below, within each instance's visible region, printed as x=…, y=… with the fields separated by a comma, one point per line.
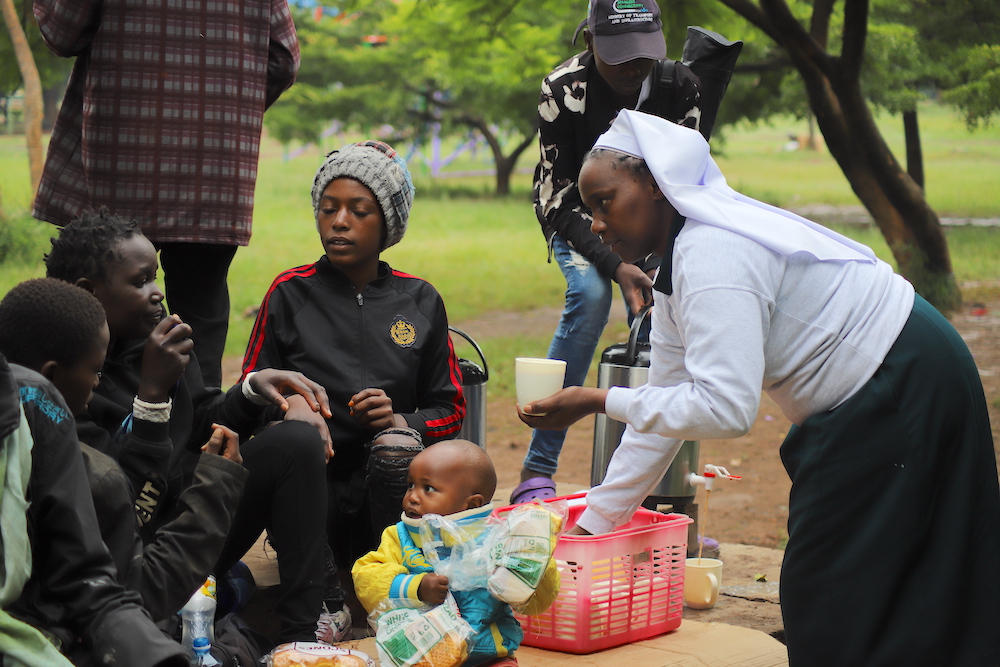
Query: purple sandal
x=533, y=488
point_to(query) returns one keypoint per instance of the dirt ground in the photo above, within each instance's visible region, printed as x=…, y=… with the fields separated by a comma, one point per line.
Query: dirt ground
x=751, y=511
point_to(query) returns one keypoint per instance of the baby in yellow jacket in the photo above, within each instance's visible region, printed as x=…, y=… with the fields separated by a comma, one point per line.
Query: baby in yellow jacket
x=455, y=479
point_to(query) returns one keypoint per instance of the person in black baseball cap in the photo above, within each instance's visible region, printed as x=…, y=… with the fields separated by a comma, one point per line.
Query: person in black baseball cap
x=624, y=30
x=578, y=101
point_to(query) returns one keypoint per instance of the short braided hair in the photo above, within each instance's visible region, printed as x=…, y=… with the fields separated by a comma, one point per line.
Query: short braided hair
x=47, y=319
x=88, y=245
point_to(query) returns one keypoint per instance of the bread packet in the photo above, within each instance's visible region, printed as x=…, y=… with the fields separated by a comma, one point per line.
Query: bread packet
x=312, y=654
x=421, y=637
x=521, y=547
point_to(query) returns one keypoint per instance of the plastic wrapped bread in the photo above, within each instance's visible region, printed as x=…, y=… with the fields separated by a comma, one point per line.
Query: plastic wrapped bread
x=408, y=637
x=310, y=654
x=524, y=544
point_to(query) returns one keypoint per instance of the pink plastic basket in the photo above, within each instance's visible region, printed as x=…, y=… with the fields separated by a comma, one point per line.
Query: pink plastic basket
x=615, y=588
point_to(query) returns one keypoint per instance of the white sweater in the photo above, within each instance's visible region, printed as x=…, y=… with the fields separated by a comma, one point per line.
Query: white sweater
x=743, y=319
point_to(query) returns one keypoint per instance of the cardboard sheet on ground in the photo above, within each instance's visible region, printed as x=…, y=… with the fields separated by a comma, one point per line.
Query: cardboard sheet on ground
x=693, y=644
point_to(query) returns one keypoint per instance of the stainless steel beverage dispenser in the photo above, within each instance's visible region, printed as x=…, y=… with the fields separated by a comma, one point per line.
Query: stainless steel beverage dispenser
x=627, y=365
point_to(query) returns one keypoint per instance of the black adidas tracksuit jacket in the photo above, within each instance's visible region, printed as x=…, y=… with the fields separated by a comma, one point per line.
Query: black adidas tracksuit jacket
x=393, y=336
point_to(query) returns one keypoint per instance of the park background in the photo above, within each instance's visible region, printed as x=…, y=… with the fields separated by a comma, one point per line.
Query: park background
x=485, y=253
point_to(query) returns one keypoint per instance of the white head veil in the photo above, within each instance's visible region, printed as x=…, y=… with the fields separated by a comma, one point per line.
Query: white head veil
x=679, y=159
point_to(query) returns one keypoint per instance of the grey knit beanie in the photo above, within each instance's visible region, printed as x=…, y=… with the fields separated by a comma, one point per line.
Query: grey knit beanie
x=376, y=165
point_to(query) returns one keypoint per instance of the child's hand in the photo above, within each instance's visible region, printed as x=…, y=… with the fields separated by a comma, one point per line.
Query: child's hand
x=164, y=359
x=373, y=408
x=224, y=442
x=433, y=588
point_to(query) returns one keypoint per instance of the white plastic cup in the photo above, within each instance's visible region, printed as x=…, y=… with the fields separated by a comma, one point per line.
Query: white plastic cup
x=537, y=378
x=702, y=580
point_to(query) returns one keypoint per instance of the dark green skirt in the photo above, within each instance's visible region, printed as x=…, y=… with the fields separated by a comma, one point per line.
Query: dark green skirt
x=893, y=551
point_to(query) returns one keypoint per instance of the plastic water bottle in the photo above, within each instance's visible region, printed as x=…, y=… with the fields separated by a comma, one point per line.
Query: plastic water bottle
x=198, y=616
x=202, y=653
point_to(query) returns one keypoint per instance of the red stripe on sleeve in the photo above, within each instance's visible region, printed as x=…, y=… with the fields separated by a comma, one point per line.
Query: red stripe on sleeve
x=452, y=423
x=256, y=342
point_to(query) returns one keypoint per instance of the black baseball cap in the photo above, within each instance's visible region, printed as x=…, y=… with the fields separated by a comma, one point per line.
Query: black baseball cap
x=624, y=30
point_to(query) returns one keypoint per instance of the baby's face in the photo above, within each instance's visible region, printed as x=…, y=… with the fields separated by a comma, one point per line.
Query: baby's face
x=437, y=486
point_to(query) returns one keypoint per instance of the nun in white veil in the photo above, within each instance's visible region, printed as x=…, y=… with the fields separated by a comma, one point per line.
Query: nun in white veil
x=893, y=554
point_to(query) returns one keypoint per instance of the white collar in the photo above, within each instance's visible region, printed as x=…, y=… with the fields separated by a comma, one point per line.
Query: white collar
x=484, y=510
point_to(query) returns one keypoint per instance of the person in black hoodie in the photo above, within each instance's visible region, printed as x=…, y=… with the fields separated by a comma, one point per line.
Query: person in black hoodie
x=60, y=331
x=151, y=396
x=58, y=587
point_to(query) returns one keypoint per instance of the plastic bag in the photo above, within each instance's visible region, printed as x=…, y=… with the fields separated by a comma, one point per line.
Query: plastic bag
x=408, y=636
x=519, y=548
x=457, y=552
x=511, y=550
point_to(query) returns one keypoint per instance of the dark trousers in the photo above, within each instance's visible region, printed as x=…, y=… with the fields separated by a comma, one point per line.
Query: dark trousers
x=894, y=515
x=195, y=284
x=286, y=495
x=364, y=504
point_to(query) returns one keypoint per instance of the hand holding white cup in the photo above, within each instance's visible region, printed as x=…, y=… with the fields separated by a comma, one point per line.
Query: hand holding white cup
x=537, y=379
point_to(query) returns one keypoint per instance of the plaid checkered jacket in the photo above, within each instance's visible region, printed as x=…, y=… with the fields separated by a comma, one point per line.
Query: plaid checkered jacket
x=162, y=117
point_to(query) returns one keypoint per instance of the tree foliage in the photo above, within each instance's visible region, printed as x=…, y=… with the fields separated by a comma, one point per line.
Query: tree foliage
x=458, y=66
x=948, y=45
x=32, y=91
x=977, y=88
x=52, y=70
x=830, y=45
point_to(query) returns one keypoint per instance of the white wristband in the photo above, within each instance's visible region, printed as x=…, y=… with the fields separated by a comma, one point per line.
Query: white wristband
x=157, y=413
x=251, y=394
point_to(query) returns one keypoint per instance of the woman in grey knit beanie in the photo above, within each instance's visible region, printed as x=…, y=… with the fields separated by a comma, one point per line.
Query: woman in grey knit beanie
x=377, y=340
x=378, y=167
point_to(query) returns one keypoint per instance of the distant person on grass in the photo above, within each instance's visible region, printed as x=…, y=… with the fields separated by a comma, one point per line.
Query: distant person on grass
x=894, y=514
x=376, y=338
x=60, y=331
x=579, y=100
x=151, y=395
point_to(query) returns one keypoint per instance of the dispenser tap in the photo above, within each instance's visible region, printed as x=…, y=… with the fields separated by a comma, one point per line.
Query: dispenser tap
x=708, y=479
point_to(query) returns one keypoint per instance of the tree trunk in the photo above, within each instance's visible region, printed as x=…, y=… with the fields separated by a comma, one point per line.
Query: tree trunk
x=504, y=168
x=52, y=100
x=504, y=164
x=914, y=153
x=909, y=225
x=32, y=93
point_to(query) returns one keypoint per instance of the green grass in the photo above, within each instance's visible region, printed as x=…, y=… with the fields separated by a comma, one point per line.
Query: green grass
x=960, y=168
x=485, y=253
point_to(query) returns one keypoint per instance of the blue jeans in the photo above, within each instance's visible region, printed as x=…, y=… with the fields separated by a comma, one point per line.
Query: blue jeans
x=588, y=300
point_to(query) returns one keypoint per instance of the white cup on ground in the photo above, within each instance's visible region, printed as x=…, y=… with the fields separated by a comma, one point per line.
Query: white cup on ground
x=702, y=580
x=537, y=378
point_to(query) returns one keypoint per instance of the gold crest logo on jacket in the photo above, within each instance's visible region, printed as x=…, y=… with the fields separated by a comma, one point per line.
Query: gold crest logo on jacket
x=402, y=332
